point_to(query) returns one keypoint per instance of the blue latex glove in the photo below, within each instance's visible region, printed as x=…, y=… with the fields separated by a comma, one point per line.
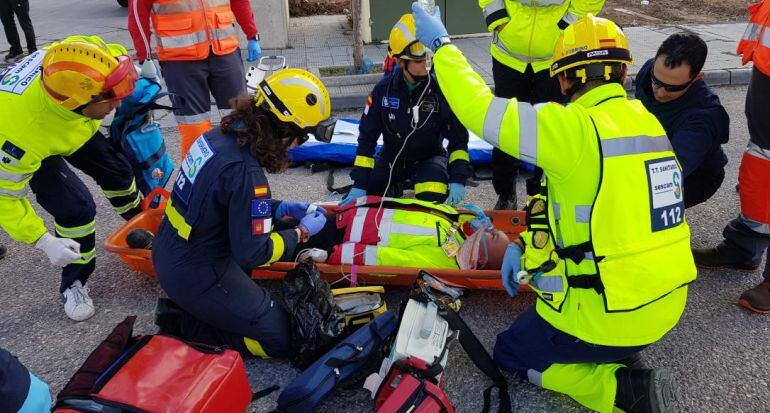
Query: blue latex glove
x=511, y=267
x=354, y=194
x=456, y=193
x=145, y=90
x=296, y=210
x=313, y=223
x=429, y=28
x=254, y=50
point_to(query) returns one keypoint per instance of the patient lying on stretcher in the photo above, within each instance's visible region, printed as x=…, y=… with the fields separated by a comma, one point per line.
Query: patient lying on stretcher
x=405, y=233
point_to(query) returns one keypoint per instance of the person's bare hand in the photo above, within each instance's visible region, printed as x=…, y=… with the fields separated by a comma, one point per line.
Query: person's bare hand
x=500, y=27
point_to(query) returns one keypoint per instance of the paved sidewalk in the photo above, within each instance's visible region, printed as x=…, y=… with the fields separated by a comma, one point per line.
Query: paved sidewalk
x=323, y=41
x=320, y=41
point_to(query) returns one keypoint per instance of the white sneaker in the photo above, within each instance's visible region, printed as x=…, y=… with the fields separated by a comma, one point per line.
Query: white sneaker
x=77, y=304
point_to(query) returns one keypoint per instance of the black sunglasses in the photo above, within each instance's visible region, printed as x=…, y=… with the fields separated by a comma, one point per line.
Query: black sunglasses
x=669, y=88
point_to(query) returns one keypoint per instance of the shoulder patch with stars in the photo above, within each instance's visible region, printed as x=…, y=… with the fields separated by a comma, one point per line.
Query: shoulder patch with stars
x=260, y=208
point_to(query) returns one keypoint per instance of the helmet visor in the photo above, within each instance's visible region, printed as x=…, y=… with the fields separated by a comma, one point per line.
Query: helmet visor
x=324, y=131
x=120, y=83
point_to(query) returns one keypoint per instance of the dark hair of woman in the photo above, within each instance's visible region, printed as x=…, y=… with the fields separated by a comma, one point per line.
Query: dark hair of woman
x=266, y=137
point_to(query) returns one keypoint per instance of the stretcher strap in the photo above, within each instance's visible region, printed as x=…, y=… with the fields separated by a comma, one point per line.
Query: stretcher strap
x=353, y=275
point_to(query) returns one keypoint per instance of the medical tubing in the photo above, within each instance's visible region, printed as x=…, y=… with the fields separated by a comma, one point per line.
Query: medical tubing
x=415, y=127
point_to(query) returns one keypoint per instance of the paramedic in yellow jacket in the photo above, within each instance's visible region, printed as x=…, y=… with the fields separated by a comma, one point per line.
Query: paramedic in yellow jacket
x=524, y=34
x=51, y=106
x=622, y=260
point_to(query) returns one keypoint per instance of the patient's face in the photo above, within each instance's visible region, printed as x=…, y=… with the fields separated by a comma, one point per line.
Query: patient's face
x=497, y=243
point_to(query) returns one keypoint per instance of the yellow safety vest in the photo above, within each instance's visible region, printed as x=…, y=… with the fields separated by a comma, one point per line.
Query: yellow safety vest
x=532, y=28
x=32, y=128
x=406, y=237
x=611, y=177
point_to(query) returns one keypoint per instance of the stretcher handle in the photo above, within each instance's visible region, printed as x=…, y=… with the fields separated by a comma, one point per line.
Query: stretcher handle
x=157, y=192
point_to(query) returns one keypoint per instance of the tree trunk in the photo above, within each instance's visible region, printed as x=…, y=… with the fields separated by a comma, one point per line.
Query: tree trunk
x=358, y=44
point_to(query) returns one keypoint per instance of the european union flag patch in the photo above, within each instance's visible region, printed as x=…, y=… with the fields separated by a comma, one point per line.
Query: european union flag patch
x=260, y=208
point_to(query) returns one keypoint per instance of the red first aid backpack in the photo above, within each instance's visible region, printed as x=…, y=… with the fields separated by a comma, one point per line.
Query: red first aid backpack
x=156, y=374
x=410, y=386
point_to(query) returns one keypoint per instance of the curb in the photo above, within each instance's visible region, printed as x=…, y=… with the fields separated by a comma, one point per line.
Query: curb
x=717, y=77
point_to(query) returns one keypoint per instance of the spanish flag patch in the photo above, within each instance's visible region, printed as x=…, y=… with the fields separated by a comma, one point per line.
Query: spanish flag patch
x=260, y=191
x=368, y=103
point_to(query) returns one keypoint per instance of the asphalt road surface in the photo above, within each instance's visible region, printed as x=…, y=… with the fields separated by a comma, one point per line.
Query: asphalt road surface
x=718, y=352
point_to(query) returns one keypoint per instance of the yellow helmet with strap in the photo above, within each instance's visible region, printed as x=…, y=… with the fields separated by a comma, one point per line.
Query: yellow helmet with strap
x=587, y=41
x=402, y=42
x=299, y=97
x=84, y=69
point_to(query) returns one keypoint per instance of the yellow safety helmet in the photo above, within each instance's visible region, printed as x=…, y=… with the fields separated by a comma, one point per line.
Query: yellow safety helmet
x=84, y=69
x=299, y=97
x=402, y=42
x=590, y=40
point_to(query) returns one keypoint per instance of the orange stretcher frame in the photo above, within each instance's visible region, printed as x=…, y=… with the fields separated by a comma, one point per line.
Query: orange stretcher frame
x=510, y=222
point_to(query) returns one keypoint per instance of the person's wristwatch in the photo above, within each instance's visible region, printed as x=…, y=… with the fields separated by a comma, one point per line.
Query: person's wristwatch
x=440, y=42
x=256, y=37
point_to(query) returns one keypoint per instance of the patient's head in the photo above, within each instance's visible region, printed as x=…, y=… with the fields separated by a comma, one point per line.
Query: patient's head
x=497, y=243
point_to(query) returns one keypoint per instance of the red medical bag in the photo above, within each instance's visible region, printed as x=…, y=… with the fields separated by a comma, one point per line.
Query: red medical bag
x=409, y=386
x=156, y=374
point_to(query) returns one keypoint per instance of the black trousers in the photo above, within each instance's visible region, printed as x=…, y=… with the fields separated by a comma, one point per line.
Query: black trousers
x=527, y=87
x=60, y=192
x=429, y=176
x=21, y=9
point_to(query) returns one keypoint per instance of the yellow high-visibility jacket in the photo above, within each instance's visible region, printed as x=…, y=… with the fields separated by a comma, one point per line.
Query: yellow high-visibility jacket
x=32, y=128
x=531, y=28
x=615, y=203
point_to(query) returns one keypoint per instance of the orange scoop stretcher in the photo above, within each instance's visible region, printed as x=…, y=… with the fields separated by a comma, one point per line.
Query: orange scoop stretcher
x=510, y=222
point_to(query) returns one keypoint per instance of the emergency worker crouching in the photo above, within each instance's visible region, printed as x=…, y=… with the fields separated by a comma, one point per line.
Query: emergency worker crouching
x=219, y=220
x=412, y=115
x=51, y=106
x=615, y=215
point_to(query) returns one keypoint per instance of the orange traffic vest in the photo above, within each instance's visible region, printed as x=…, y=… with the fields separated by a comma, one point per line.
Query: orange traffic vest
x=187, y=29
x=755, y=43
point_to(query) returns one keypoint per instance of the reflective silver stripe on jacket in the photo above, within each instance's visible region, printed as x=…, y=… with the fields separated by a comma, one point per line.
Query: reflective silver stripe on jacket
x=556, y=211
x=494, y=7
x=217, y=3
x=13, y=177
x=752, y=32
x=493, y=120
x=357, y=227
x=348, y=251
x=18, y=194
x=370, y=255
x=182, y=40
x=527, y=133
x=754, y=150
x=570, y=18
x=180, y=7
x=550, y=283
x=583, y=214
x=223, y=33
x=193, y=119
x=765, y=38
x=635, y=145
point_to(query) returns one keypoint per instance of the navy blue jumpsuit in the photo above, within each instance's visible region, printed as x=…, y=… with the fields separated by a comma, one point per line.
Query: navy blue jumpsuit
x=424, y=159
x=218, y=226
